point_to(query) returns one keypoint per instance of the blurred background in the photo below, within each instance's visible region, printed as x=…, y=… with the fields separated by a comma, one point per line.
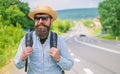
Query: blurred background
x=89, y=27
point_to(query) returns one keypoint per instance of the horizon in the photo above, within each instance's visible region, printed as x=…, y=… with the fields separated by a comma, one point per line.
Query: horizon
x=75, y=9
x=77, y=13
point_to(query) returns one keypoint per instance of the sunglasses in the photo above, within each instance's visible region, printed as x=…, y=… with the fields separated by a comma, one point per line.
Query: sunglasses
x=43, y=18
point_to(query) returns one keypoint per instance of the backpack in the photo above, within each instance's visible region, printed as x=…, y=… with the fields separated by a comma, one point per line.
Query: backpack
x=29, y=42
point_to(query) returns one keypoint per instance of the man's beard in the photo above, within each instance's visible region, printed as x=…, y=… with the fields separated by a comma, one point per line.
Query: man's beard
x=42, y=32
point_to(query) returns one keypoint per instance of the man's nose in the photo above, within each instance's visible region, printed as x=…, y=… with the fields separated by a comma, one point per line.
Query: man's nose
x=40, y=20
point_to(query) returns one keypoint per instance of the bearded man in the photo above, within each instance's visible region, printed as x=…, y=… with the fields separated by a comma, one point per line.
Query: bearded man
x=41, y=58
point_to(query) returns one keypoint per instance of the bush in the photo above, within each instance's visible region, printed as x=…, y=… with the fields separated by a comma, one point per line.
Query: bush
x=87, y=22
x=62, y=26
x=9, y=40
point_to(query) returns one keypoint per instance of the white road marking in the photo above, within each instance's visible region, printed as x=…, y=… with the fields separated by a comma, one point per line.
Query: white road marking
x=68, y=37
x=76, y=60
x=72, y=54
x=95, y=46
x=77, y=33
x=118, y=44
x=88, y=71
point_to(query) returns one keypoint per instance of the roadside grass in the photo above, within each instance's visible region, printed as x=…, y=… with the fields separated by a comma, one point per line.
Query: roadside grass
x=87, y=22
x=92, y=29
x=95, y=32
x=109, y=37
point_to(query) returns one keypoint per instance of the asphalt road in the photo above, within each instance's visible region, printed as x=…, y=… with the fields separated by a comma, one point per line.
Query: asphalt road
x=91, y=55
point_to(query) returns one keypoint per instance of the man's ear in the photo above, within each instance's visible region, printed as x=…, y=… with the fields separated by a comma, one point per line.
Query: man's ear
x=52, y=20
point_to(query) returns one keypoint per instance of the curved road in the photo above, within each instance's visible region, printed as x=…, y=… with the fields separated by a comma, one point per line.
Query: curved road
x=92, y=55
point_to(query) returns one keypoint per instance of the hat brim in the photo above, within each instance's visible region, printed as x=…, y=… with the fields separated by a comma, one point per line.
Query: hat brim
x=49, y=12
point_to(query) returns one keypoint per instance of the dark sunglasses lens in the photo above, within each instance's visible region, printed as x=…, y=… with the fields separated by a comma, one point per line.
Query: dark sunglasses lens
x=41, y=17
x=44, y=18
x=37, y=18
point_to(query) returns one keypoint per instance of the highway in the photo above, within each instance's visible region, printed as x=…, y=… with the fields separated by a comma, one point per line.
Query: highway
x=92, y=55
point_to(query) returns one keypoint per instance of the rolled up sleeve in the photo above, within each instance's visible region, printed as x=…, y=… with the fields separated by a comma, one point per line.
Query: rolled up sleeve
x=19, y=63
x=65, y=64
x=66, y=61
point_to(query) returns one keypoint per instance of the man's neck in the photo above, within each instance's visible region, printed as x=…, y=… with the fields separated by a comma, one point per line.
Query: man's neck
x=43, y=39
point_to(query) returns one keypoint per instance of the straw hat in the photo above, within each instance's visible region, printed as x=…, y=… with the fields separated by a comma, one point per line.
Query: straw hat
x=43, y=9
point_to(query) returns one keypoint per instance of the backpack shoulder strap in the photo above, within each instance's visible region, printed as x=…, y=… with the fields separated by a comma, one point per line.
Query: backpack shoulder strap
x=29, y=39
x=53, y=43
x=28, y=42
x=53, y=40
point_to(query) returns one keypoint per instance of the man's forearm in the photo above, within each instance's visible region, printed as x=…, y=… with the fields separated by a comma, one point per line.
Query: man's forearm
x=65, y=64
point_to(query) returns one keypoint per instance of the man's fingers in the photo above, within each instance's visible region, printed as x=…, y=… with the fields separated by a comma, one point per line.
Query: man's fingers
x=27, y=50
x=53, y=52
x=29, y=53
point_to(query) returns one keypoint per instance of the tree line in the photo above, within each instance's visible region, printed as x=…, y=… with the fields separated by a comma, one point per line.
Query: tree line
x=109, y=16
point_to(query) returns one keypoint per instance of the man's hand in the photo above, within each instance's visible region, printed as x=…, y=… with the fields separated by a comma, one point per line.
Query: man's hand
x=26, y=52
x=54, y=53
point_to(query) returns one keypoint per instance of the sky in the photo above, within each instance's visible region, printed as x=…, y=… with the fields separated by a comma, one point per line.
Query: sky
x=64, y=4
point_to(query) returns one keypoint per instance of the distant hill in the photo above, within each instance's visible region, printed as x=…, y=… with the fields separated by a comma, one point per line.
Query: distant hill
x=78, y=13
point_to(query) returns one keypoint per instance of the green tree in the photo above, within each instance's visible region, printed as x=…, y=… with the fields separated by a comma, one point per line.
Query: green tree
x=109, y=16
x=14, y=15
x=15, y=11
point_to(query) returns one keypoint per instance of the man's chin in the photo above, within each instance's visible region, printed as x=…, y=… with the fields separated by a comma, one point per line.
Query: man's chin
x=42, y=34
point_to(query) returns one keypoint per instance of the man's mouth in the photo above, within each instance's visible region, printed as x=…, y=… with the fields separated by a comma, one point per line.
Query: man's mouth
x=41, y=25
